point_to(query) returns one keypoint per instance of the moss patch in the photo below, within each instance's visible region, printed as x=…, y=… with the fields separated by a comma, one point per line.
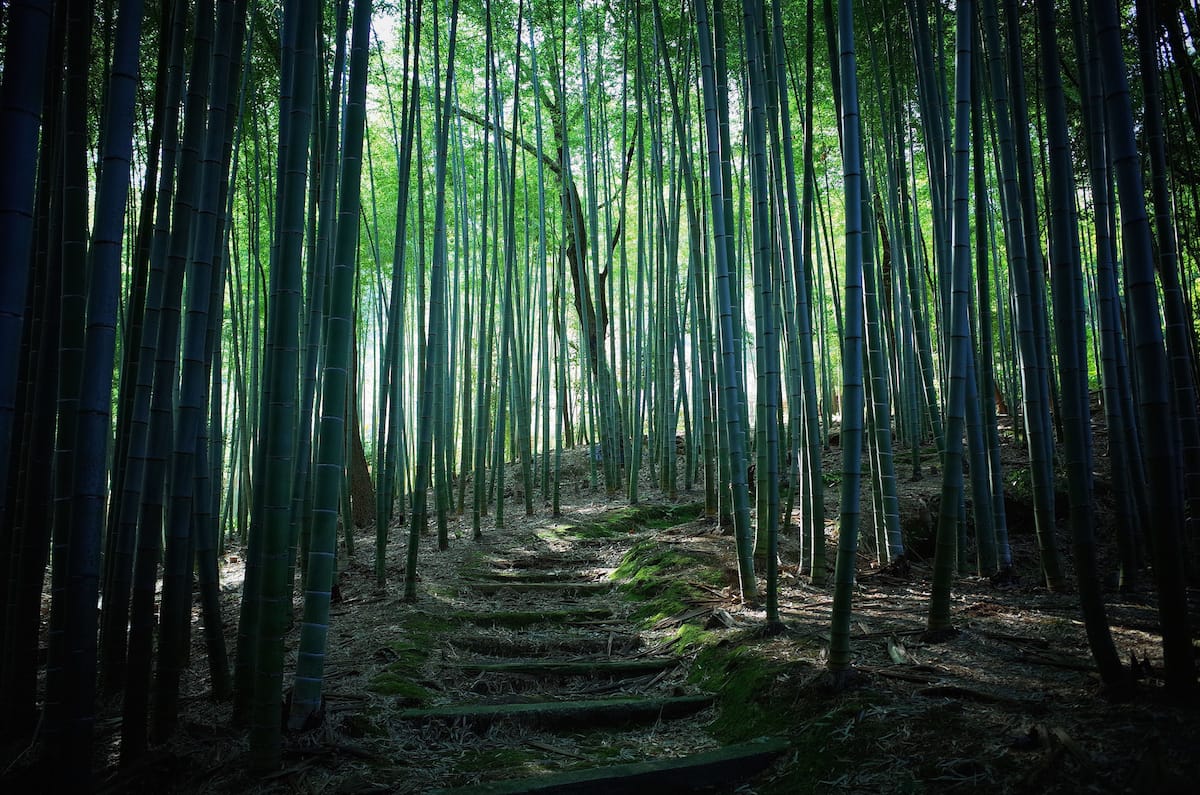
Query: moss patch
x=690, y=637
x=758, y=696
x=360, y=725
x=829, y=746
x=672, y=515
x=670, y=600
x=418, y=627
x=407, y=657
x=663, y=578
x=390, y=683
x=650, y=560
x=495, y=760
x=575, y=531
x=748, y=699
x=631, y=519
x=405, y=666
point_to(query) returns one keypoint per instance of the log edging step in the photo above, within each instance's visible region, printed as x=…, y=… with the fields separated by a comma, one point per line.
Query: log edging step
x=558, y=587
x=606, y=667
x=577, y=714
x=732, y=763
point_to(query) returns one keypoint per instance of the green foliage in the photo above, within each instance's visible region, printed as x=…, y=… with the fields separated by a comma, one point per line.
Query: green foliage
x=598, y=101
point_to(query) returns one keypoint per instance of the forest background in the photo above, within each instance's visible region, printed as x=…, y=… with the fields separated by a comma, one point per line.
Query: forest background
x=277, y=271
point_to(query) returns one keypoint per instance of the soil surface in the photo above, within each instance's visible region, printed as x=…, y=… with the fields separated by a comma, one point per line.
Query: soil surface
x=612, y=635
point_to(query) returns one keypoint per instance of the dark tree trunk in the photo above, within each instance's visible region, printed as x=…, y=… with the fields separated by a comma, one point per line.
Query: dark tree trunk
x=362, y=490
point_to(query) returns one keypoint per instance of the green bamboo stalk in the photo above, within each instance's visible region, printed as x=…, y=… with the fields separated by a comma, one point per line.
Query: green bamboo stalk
x=852, y=352
x=1152, y=373
x=436, y=330
x=280, y=419
x=331, y=452
x=170, y=252
x=1072, y=355
x=1017, y=241
x=390, y=439
x=90, y=463
x=731, y=384
x=193, y=398
x=26, y=53
x=961, y=356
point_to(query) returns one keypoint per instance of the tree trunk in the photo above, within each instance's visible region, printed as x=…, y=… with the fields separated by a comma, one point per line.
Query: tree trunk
x=362, y=490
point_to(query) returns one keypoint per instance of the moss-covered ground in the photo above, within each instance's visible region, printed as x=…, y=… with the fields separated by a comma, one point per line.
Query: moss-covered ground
x=630, y=519
x=663, y=579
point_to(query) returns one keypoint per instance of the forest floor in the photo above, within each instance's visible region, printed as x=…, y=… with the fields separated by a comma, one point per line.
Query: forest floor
x=632, y=616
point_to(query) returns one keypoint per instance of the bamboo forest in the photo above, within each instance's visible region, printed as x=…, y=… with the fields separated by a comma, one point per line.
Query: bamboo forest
x=532, y=396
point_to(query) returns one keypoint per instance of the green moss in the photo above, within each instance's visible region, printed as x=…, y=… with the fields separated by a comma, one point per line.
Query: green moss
x=390, y=683
x=404, y=665
x=417, y=627
x=576, y=531
x=829, y=747
x=649, y=559
x=631, y=519
x=672, y=515
x=603, y=748
x=670, y=600
x=407, y=657
x=501, y=761
x=690, y=637
x=361, y=725
x=663, y=578
x=744, y=684
x=442, y=591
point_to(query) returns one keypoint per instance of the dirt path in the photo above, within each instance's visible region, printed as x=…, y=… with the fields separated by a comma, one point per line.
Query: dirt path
x=593, y=644
x=530, y=657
